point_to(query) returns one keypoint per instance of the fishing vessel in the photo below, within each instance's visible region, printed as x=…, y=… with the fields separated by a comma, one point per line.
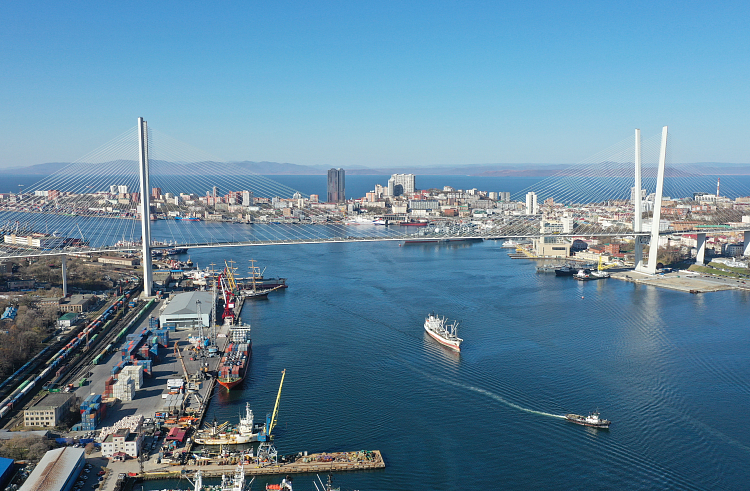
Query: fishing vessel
x=236, y=483
x=247, y=431
x=593, y=420
x=442, y=332
x=233, y=366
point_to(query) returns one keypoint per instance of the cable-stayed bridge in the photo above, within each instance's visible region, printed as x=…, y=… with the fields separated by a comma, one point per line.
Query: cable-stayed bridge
x=195, y=200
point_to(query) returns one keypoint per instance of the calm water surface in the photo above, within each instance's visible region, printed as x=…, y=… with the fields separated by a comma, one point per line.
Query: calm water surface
x=669, y=369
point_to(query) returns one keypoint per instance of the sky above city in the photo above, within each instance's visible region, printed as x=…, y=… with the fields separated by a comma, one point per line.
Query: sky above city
x=376, y=84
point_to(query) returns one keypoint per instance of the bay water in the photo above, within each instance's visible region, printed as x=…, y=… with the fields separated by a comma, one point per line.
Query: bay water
x=669, y=369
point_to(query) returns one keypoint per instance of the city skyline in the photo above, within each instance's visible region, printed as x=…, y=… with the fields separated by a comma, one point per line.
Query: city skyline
x=378, y=85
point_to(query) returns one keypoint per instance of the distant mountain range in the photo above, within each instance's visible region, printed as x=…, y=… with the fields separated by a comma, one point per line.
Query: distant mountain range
x=489, y=170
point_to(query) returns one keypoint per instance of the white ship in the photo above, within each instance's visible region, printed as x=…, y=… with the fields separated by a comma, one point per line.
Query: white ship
x=245, y=432
x=442, y=332
x=237, y=483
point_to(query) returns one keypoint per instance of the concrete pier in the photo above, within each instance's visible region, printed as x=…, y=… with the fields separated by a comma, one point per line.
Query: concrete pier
x=313, y=463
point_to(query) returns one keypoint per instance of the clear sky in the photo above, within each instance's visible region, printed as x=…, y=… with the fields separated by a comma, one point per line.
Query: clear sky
x=357, y=83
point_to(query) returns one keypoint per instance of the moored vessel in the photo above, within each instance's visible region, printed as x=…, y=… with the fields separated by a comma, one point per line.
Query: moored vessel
x=234, y=363
x=593, y=420
x=443, y=333
x=247, y=431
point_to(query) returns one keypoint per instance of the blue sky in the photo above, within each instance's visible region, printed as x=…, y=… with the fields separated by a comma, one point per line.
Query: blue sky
x=376, y=83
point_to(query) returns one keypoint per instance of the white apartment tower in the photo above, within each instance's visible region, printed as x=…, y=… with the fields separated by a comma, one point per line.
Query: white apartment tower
x=532, y=206
x=400, y=184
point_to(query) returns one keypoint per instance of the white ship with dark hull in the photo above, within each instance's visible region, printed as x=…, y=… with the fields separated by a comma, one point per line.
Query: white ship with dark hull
x=442, y=332
x=245, y=432
x=592, y=420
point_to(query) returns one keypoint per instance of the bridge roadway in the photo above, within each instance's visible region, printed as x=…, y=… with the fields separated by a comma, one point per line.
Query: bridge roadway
x=17, y=252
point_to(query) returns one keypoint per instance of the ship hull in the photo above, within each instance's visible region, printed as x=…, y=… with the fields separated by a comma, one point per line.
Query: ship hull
x=235, y=380
x=450, y=344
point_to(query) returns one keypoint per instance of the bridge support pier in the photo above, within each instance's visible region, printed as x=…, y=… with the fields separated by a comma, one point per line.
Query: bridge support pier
x=700, y=257
x=64, y=275
x=746, y=243
x=640, y=240
x=145, y=207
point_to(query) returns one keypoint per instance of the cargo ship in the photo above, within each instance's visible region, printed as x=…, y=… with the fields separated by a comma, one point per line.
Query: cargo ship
x=233, y=366
x=591, y=420
x=188, y=219
x=443, y=333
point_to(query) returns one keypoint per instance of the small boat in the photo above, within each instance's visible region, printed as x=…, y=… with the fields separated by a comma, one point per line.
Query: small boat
x=443, y=333
x=593, y=420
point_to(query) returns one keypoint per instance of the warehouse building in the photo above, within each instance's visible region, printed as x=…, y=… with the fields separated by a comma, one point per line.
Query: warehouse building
x=49, y=410
x=57, y=471
x=6, y=471
x=182, y=311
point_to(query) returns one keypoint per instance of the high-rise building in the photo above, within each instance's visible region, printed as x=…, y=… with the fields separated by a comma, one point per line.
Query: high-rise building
x=400, y=184
x=532, y=207
x=336, y=186
x=247, y=198
x=122, y=189
x=155, y=193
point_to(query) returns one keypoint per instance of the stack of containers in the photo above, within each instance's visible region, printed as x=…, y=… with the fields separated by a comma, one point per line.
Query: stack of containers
x=146, y=364
x=92, y=413
x=162, y=337
x=108, y=384
x=172, y=403
x=124, y=389
x=154, y=351
x=153, y=323
x=135, y=372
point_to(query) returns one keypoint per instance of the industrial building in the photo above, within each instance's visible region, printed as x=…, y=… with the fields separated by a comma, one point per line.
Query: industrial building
x=6, y=471
x=120, y=261
x=57, y=471
x=182, y=311
x=49, y=410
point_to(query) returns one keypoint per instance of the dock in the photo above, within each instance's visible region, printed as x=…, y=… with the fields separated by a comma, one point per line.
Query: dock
x=313, y=463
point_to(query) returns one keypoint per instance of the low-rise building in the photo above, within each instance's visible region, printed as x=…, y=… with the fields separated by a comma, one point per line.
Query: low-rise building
x=122, y=441
x=49, y=410
x=77, y=303
x=554, y=246
x=120, y=261
x=57, y=471
x=67, y=320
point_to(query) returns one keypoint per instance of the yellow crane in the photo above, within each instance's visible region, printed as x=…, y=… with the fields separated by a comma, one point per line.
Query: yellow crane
x=266, y=450
x=274, y=418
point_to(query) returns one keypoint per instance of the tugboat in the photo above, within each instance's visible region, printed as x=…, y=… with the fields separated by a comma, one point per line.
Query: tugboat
x=591, y=420
x=442, y=333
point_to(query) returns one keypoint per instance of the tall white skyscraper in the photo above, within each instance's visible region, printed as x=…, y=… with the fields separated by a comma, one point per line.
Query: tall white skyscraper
x=532, y=206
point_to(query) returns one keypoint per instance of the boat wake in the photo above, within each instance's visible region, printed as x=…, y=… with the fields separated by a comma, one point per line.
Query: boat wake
x=489, y=394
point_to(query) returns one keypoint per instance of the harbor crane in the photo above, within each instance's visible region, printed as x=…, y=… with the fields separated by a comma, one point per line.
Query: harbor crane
x=266, y=450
